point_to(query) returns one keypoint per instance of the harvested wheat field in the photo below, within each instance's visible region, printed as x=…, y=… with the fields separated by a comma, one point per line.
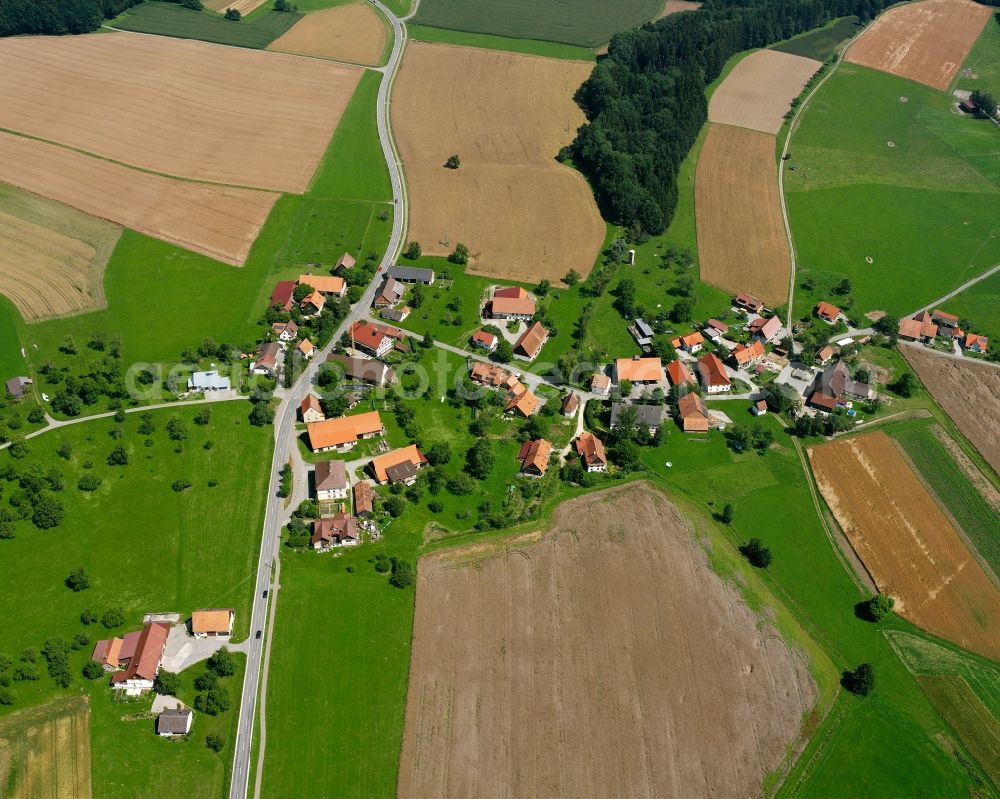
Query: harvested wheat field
x=52, y=257
x=217, y=221
x=45, y=751
x=759, y=91
x=741, y=237
x=243, y=6
x=352, y=33
x=968, y=391
x=908, y=546
x=601, y=658
x=925, y=41
x=182, y=108
x=523, y=215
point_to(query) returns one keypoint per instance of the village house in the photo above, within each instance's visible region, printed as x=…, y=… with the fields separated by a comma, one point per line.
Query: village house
x=306, y=349
x=343, y=433
x=411, y=274
x=398, y=466
x=396, y=314
x=364, y=499
x=208, y=381
x=511, y=303
x=692, y=413
x=714, y=330
x=213, y=622
x=591, y=451
x=531, y=341
x=827, y=312
x=285, y=331
x=330, y=285
x=534, y=457
x=946, y=322
x=748, y=303
x=365, y=370
x=639, y=370
x=134, y=658
x=920, y=328
x=975, y=343
x=283, y=296
x=312, y=305
x=678, y=373
x=339, y=530
x=600, y=384
x=482, y=340
x=389, y=293
x=759, y=408
x=764, y=329
x=311, y=410
x=714, y=378
x=330, y=478
x=174, y=721
x=570, y=404
x=266, y=362
x=17, y=386
x=692, y=342
x=744, y=356
x=345, y=261
x=371, y=338
x=824, y=354
x=523, y=402
x=835, y=387
x=649, y=417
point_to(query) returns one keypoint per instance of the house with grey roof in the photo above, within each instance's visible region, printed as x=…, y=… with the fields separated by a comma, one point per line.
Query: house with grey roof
x=17, y=386
x=208, y=381
x=411, y=274
x=174, y=721
x=648, y=416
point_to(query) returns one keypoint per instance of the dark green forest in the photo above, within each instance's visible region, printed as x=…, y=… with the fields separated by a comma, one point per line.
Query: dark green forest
x=57, y=17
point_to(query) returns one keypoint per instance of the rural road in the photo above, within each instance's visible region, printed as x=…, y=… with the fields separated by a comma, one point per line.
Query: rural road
x=269, y=566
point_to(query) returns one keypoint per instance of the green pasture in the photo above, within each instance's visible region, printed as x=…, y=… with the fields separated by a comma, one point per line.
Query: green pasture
x=257, y=31
x=980, y=304
x=923, y=209
x=11, y=362
x=425, y=33
x=587, y=23
x=821, y=43
x=984, y=61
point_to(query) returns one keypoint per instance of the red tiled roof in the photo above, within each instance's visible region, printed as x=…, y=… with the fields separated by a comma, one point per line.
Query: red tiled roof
x=531, y=340
x=639, y=370
x=713, y=371
x=678, y=373
x=535, y=455
x=590, y=448
x=825, y=310
x=148, y=652
x=282, y=294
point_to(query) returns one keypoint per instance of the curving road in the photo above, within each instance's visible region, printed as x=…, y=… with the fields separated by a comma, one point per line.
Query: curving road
x=269, y=566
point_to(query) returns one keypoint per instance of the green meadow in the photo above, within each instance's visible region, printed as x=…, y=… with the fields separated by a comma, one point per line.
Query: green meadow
x=256, y=31
x=821, y=43
x=885, y=170
x=980, y=304
x=572, y=52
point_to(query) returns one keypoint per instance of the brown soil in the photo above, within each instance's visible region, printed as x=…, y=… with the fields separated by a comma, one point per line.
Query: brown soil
x=926, y=41
x=759, y=91
x=352, y=33
x=52, y=257
x=183, y=108
x=969, y=392
x=523, y=215
x=601, y=658
x=907, y=544
x=217, y=221
x=741, y=237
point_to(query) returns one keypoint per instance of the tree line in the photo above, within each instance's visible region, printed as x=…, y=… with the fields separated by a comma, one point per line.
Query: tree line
x=58, y=17
x=645, y=102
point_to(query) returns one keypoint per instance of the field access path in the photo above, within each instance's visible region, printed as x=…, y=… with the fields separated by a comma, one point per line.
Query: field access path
x=269, y=565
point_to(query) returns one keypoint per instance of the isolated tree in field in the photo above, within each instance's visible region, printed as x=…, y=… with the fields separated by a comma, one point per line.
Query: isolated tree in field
x=480, y=458
x=985, y=102
x=262, y=414
x=36, y=416
x=460, y=255
x=403, y=574
x=394, y=506
x=203, y=417
x=758, y=554
x=93, y=670
x=861, y=681
x=68, y=345
x=905, y=386
x=453, y=162
x=216, y=742
x=727, y=514
x=213, y=702
x=18, y=449
x=206, y=681
x=880, y=606
x=223, y=663
x=166, y=683
x=113, y=617
x=78, y=580
x=413, y=250
x=87, y=617
x=181, y=484
x=48, y=512
x=572, y=278
x=118, y=456
x=233, y=15
x=843, y=288
x=439, y=454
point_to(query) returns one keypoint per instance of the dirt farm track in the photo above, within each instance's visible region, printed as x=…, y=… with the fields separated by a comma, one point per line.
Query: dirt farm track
x=906, y=543
x=602, y=658
x=925, y=41
x=177, y=107
x=523, y=215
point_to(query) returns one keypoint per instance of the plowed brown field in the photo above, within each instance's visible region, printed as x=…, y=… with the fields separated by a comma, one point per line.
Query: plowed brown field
x=352, y=33
x=968, y=391
x=759, y=91
x=182, y=108
x=741, y=238
x=523, y=215
x=909, y=547
x=602, y=658
x=926, y=41
x=218, y=221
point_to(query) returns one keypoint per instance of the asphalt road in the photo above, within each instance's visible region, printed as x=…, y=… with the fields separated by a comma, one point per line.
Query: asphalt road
x=268, y=568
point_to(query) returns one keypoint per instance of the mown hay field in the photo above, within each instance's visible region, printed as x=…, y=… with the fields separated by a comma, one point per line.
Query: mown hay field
x=181, y=108
x=217, y=221
x=742, y=244
x=588, y=23
x=925, y=41
x=352, y=33
x=52, y=257
x=906, y=543
x=523, y=215
x=600, y=658
x=243, y=6
x=759, y=91
x=969, y=392
x=45, y=751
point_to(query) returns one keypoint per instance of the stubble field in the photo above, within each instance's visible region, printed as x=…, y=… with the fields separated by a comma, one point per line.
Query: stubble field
x=352, y=33
x=601, y=658
x=45, y=751
x=217, y=221
x=181, y=108
x=52, y=257
x=907, y=544
x=523, y=215
x=741, y=237
x=243, y=6
x=925, y=41
x=758, y=92
x=969, y=392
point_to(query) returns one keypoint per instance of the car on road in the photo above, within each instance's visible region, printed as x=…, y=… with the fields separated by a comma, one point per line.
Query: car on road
x=257, y=636
x=265, y=594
